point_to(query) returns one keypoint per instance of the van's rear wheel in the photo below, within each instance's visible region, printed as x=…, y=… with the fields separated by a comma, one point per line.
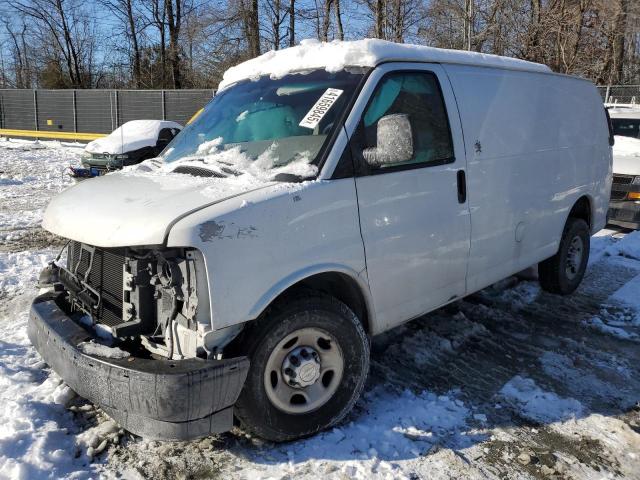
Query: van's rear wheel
x=563, y=272
x=309, y=360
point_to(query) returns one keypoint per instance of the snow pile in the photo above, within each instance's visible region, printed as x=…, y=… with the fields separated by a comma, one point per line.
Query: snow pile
x=629, y=294
x=626, y=146
x=14, y=267
x=36, y=430
x=25, y=170
x=336, y=55
x=536, y=404
x=131, y=136
x=99, y=350
x=395, y=428
x=622, y=309
x=628, y=246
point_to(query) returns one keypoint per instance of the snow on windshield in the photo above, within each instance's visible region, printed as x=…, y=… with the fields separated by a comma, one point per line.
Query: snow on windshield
x=336, y=56
x=234, y=172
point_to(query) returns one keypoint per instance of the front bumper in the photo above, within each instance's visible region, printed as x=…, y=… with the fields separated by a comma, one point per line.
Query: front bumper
x=624, y=214
x=156, y=399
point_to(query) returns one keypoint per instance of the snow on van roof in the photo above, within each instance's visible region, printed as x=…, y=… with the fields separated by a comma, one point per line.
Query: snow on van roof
x=336, y=55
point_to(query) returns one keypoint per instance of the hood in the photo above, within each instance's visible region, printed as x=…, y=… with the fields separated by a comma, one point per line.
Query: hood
x=134, y=209
x=626, y=156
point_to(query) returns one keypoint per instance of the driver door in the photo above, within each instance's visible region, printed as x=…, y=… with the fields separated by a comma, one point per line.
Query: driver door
x=414, y=215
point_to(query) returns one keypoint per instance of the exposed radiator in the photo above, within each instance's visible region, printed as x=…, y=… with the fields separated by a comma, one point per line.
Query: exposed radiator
x=106, y=277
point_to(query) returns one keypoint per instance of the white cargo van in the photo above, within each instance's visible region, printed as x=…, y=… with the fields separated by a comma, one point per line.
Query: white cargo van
x=329, y=192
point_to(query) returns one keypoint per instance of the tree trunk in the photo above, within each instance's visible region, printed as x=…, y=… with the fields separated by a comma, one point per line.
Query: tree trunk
x=379, y=13
x=276, y=24
x=326, y=20
x=292, y=23
x=137, y=74
x=336, y=4
x=619, y=44
x=174, y=17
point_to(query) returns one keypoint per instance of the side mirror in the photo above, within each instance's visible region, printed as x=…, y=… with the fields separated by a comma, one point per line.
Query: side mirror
x=394, y=142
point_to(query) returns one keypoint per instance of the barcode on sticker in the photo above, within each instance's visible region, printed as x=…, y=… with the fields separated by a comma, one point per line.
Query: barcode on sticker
x=321, y=107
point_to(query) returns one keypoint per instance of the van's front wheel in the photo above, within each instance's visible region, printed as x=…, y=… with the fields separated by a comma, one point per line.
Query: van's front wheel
x=309, y=360
x=563, y=272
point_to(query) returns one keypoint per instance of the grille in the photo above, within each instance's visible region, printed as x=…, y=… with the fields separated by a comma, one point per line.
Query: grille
x=618, y=195
x=622, y=179
x=197, y=172
x=106, y=277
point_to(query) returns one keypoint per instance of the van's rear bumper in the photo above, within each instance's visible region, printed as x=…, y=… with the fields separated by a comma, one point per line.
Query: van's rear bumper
x=624, y=214
x=163, y=400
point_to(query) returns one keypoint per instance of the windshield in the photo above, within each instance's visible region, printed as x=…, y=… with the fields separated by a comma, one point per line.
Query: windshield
x=626, y=127
x=274, y=126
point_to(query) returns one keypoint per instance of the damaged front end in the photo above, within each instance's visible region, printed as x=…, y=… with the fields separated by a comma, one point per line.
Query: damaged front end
x=153, y=304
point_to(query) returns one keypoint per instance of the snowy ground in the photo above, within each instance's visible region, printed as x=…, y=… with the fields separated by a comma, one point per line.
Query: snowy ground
x=509, y=383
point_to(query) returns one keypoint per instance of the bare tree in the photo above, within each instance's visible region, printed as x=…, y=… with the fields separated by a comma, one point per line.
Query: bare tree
x=124, y=10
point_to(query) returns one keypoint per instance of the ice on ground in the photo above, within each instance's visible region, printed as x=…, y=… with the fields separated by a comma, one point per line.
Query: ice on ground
x=522, y=294
x=337, y=55
x=131, y=136
x=538, y=405
x=628, y=246
x=99, y=350
x=605, y=327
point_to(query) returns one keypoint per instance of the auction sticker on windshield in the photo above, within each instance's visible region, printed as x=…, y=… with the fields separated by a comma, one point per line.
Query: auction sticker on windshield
x=321, y=107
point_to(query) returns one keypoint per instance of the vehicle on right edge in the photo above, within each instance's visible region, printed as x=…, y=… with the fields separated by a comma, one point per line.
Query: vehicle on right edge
x=624, y=208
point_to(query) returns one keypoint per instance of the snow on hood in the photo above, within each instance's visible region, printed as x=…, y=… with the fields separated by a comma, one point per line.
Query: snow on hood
x=336, y=55
x=130, y=136
x=626, y=155
x=137, y=205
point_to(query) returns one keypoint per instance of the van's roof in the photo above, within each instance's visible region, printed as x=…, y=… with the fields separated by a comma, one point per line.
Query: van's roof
x=335, y=56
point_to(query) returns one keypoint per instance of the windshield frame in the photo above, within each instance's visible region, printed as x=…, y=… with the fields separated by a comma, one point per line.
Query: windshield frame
x=327, y=146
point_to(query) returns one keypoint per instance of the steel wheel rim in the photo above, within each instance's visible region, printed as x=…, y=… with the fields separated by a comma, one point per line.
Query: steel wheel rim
x=574, y=257
x=312, y=394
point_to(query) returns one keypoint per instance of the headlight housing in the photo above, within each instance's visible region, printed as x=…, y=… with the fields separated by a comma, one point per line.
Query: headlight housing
x=636, y=180
x=122, y=156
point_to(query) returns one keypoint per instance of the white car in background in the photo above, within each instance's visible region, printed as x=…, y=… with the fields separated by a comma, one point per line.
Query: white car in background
x=129, y=144
x=624, y=208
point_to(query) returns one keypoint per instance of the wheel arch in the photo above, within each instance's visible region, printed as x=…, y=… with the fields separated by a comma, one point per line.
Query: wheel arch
x=583, y=209
x=338, y=281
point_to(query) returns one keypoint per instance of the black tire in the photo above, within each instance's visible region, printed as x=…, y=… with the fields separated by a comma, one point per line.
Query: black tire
x=555, y=275
x=310, y=310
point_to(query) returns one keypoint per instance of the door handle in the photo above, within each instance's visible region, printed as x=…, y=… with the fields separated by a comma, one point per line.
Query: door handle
x=462, y=187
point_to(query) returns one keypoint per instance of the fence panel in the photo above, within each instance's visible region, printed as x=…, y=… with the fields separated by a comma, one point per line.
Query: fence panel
x=179, y=103
x=620, y=94
x=55, y=110
x=95, y=111
x=139, y=105
x=17, y=109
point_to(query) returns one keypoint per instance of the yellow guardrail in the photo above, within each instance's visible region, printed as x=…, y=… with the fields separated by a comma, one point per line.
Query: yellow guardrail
x=7, y=132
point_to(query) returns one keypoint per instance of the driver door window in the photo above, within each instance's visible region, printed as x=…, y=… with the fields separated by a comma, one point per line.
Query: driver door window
x=418, y=96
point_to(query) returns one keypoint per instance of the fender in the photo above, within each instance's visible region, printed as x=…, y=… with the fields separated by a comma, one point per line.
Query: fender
x=298, y=276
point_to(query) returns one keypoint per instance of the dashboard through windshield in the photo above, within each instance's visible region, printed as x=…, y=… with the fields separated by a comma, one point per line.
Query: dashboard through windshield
x=274, y=124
